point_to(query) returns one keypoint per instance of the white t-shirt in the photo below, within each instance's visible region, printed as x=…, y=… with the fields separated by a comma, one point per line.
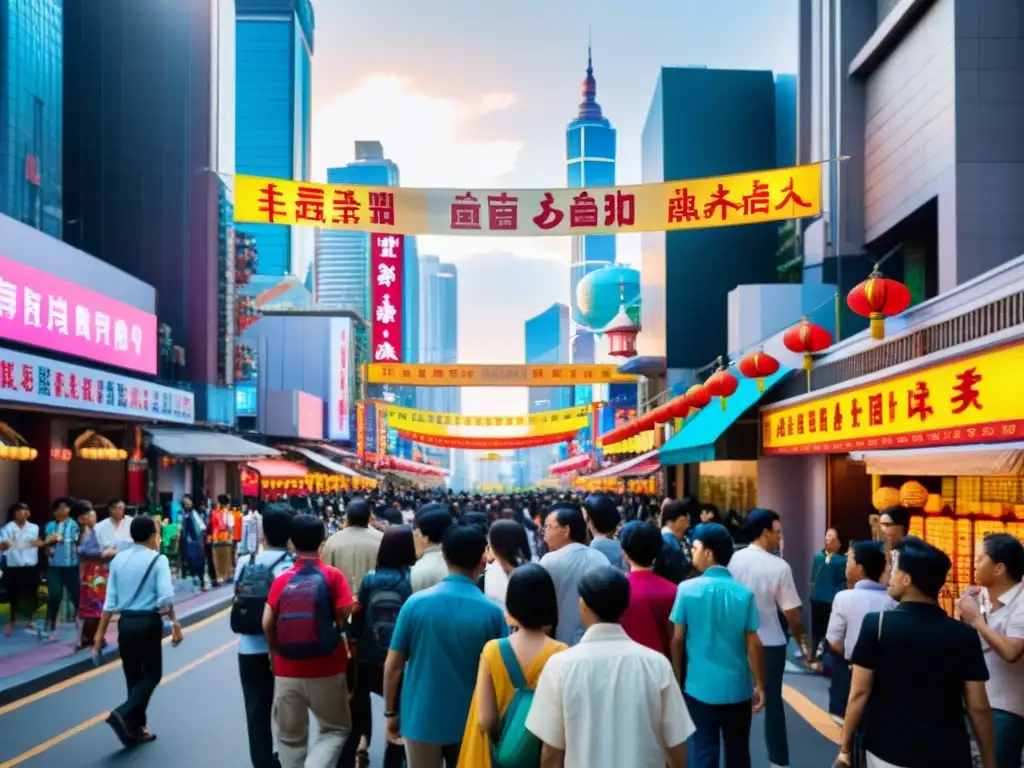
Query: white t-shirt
x=496, y=584
x=113, y=536
x=1005, y=684
x=23, y=552
x=849, y=609
x=770, y=578
x=609, y=701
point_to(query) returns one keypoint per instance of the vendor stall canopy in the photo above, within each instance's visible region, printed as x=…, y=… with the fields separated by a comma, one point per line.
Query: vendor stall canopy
x=958, y=460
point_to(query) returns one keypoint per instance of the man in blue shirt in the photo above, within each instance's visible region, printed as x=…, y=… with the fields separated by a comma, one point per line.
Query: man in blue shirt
x=61, y=539
x=717, y=621
x=438, y=639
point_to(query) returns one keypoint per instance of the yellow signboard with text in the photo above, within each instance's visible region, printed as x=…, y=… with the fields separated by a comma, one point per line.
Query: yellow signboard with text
x=975, y=399
x=460, y=375
x=720, y=201
x=419, y=422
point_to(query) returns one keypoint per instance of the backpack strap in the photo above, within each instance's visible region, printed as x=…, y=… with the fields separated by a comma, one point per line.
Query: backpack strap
x=515, y=671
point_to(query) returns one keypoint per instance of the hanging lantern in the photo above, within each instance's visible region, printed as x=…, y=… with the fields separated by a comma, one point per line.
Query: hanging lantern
x=913, y=494
x=807, y=339
x=678, y=407
x=662, y=413
x=877, y=298
x=697, y=397
x=622, y=333
x=757, y=365
x=885, y=497
x=721, y=384
x=646, y=422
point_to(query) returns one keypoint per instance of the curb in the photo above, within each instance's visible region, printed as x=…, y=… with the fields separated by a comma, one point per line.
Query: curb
x=35, y=680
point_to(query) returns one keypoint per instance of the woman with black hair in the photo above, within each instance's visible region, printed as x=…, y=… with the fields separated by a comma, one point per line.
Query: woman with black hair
x=513, y=662
x=510, y=549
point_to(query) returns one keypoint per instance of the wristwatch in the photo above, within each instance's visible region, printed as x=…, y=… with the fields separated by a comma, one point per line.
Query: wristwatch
x=390, y=714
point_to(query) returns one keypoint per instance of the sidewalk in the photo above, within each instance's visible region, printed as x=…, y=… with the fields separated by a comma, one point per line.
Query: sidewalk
x=30, y=662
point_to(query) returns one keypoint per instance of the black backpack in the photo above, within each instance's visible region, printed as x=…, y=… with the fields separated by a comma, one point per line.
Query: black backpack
x=251, y=592
x=382, y=611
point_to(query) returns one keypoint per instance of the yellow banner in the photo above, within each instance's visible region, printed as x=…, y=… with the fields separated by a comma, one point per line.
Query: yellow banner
x=459, y=375
x=641, y=443
x=973, y=399
x=420, y=422
x=721, y=201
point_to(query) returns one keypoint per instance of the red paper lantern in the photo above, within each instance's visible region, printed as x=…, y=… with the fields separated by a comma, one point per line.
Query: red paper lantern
x=678, y=407
x=877, y=298
x=722, y=385
x=697, y=397
x=662, y=413
x=757, y=365
x=646, y=422
x=807, y=339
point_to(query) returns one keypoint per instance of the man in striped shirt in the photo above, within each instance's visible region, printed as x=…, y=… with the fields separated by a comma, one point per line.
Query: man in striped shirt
x=61, y=540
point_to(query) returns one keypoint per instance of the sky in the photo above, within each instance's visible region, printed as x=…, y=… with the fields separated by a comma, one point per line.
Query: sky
x=470, y=94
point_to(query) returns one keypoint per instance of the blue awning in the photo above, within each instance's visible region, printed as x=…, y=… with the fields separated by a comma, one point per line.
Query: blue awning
x=695, y=442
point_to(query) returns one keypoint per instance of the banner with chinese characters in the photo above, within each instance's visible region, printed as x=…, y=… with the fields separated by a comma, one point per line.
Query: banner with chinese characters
x=458, y=425
x=37, y=381
x=487, y=443
x=360, y=429
x=387, y=253
x=463, y=375
x=721, y=201
x=973, y=399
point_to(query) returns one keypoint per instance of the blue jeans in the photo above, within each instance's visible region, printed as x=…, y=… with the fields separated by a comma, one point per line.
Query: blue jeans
x=774, y=706
x=1009, y=738
x=717, y=723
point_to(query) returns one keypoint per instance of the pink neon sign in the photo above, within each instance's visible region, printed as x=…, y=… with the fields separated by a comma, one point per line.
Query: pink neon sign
x=46, y=311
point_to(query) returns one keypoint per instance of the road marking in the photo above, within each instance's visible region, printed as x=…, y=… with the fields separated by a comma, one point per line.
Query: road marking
x=71, y=732
x=816, y=717
x=64, y=685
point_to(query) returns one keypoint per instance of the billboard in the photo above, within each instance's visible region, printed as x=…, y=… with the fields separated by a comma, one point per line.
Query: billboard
x=386, y=258
x=340, y=397
x=293, y=413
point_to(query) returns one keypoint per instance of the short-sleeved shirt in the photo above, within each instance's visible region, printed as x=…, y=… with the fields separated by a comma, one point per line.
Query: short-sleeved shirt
x=429, y=570
x=341, y=597
x=63, y=553
x=441, y=632
x=770, y=578
x=1006, y=681
x=646, y=619
x=567, y=566
x=279, y=561
x=717, y=612
x=23, y=552
x=921, y=659
x=849, y=609
x=611, y=549
x=353, y=551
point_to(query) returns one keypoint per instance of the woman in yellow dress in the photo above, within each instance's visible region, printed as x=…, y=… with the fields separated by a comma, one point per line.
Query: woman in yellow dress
x=532, y=610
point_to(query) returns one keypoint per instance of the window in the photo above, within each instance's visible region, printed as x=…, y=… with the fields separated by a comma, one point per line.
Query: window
x=573, y=147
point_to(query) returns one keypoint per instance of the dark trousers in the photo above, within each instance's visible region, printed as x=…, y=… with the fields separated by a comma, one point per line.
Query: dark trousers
x=718, y=723
x=820, y=614
x=22, y=585
x=139, y=638
x=839, y=690
x=369, y=678
x=774, y=707
x=210, y=568
x=258, y=692
x=58, y=579
x=1009, y=738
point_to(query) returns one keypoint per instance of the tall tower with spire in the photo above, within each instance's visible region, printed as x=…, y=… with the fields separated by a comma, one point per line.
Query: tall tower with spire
x=590, y=155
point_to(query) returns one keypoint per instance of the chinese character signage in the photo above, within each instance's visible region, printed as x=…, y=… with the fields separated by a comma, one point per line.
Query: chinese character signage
x=461, y=375
x=361, y=429
x=339, y=398
x=969, y=400
x=420, y=422
x=724, y=201
x=487, y=443
x=386, y=256
x=43, y=310
x=32, y=380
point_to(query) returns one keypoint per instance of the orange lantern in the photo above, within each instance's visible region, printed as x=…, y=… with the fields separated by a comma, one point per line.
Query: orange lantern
x=885, y=497
x=757, y=365
x=662, y=414
x=877, y=298
x=807, y=339
x=913, y=494
x=678, y=407
x=722, y=385
x=697, y=396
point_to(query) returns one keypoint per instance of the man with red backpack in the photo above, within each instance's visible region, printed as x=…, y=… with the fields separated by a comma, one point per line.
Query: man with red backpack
x=307, y=608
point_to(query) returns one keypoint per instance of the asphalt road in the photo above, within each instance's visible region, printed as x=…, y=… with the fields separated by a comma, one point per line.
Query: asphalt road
x=198, y=717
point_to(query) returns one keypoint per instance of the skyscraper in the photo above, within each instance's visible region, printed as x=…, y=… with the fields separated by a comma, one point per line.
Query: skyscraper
x=590, y=153
x=439, y=338
x=30, y=113
x=546, y=341
x=274, y=43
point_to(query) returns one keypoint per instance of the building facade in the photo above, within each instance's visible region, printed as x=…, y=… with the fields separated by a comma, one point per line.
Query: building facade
x=274, y=44
x=31, y=130
x=546, y=341
x=439, y=339
x=149, y=162
x=590, y=156
x=701, y=123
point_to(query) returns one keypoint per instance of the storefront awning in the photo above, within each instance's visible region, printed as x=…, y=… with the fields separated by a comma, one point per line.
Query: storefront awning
x=408, y=466
x=323, y=462
x=279, y=469
x=695, y=442
x=206, y=446
x=573, y=464
x=990, y=459
x=639, y=466
x=333, y=449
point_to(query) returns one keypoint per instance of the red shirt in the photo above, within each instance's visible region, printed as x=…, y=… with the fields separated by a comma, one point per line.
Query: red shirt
x=650, y=603
x=305, y=668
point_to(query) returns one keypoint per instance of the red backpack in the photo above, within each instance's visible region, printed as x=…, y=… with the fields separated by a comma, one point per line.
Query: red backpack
x=306, y=627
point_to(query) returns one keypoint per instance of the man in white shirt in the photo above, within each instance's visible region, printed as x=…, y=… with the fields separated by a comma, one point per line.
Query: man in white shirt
x=609, y=701
x=770, y=578
x=114, y=534
x=431, y=524
x=20, y=543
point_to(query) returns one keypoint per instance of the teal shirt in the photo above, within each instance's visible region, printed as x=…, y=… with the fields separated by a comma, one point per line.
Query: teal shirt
x=828, y=579
x=442, y=631
x=63, y=554
x=717, y=613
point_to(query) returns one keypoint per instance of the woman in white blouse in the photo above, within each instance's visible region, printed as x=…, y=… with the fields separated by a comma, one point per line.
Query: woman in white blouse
x=510, y=549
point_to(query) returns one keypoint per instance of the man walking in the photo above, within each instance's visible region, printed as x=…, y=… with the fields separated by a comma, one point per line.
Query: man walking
x=353, y=549
x=432, y=522
x=62, y=571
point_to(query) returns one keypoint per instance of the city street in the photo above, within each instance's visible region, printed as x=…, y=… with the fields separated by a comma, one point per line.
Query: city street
x=198, y=717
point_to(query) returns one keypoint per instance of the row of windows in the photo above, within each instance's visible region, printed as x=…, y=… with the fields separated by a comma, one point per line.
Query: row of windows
x=595, y=141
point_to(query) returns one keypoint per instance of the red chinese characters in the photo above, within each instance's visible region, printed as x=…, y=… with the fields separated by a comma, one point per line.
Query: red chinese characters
x=758, y=201
x=549, y=216
x=7, y=375
x=382, y=208
x=502, y=212
x=583, y=211
x=344, y=207
x=271, y=202
x=720, y=202
x=309, y=204
x=465, y=212
x=917, y=401
x=619, y=209
x=682, y=207
x=967, y=395
x=791, y=198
